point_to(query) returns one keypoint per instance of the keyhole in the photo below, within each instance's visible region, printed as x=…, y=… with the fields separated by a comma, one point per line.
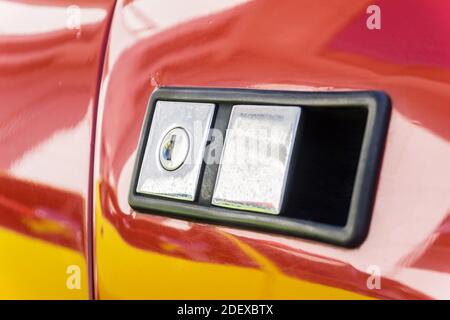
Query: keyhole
x=168, y=148
x=174, y=149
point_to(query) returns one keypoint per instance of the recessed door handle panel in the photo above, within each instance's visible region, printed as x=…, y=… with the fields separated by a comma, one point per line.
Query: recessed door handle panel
x=307, y=164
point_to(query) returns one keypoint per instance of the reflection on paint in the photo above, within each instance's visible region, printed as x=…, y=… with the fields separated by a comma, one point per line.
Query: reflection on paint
x=294, y=46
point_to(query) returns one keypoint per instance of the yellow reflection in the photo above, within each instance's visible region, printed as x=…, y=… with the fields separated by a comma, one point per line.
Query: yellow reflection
x=127, y=272
x=35, y=269
x=47, y=226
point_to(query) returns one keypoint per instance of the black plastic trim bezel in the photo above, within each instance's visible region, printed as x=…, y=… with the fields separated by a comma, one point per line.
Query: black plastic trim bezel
x=352, y=234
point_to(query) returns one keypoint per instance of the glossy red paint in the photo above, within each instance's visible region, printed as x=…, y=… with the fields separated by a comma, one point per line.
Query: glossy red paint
x=49, y=72
x=49, y=78
x=296, y=45
x=43, y=212
x=195, y=243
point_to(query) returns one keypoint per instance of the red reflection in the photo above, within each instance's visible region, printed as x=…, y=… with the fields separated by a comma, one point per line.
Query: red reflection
x=315, y=268
x=434, y=253
x=197, y=242
x=48, y=86
x=42, y=212
x=43, y=86
x=412, y=42
x=261, y=44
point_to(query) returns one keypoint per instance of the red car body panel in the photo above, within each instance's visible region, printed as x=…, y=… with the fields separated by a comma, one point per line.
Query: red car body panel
x=49, y=82
x=296, y=45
